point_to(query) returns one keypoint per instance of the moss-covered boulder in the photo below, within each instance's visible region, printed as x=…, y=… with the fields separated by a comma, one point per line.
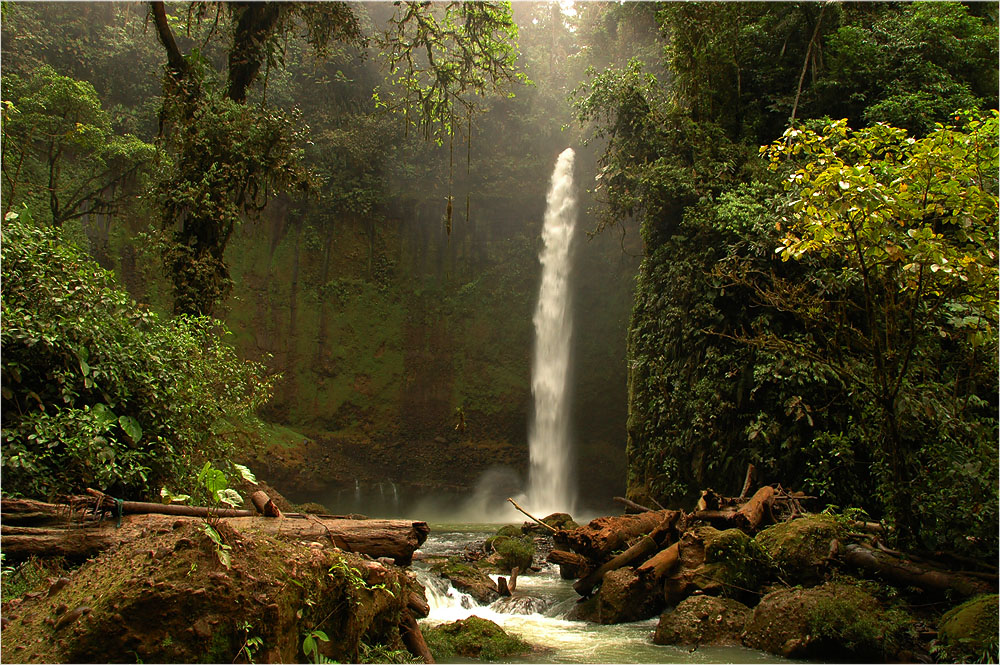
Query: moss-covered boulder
x=313, y=508
x=468, y=579
x=735, y=565
x=167, y=596
x=703, y=620
x=969, y=632
x=833, y=621
x=800, y=548
x=558, y=521
x=472, y=638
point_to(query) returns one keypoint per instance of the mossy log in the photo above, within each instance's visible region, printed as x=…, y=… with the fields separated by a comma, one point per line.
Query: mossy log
x=901, y=572
x=39, y=529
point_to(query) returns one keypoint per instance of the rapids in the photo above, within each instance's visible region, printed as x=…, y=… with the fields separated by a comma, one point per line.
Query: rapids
x=564, y=641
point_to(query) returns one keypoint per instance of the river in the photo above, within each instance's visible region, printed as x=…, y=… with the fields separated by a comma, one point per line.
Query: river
x=566, y=641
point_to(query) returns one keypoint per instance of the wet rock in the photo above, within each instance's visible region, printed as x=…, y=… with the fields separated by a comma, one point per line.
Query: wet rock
x=800, y=548
x=704, y=620
x=468, y=579
x=834, y=621
x=623, y=597
x=521, y=605
x=970, y=630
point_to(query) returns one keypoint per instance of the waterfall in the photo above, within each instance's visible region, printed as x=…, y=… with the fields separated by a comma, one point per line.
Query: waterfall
x=549, y=486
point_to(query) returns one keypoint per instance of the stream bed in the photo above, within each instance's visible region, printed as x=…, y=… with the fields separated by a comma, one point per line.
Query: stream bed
x=566, y=641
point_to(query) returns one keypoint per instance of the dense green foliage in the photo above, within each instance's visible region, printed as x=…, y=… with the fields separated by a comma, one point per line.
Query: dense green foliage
x=863, y=372
x=100, y=392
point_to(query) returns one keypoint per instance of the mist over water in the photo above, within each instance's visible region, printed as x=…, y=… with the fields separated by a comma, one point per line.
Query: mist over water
x=550, y=486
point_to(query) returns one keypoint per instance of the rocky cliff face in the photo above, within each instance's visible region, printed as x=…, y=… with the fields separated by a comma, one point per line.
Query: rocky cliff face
x=405, y=353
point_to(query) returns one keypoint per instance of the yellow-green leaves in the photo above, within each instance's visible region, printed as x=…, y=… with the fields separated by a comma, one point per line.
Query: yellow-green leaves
x=877, y=198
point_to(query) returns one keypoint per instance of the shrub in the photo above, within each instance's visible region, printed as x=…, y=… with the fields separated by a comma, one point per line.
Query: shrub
x=514, y=552
x=97, y=390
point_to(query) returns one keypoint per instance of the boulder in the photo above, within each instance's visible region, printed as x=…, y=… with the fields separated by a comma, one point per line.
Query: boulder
x=468, y=579
x=472, y=638
x=176, y=596
x=800, y=548
x=969, y=631
x=835, y=621
x=623, y=597
x=703, y=620
x=521, y=605
x=735, y=565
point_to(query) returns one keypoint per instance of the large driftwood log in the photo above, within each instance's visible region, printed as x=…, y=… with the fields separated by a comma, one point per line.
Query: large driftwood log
x=898, y=571
x=751, y=514
x=64, y=534
x=602, y=536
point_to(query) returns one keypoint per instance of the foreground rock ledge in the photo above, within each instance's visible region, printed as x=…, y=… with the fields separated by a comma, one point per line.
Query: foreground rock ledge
x=167, y=597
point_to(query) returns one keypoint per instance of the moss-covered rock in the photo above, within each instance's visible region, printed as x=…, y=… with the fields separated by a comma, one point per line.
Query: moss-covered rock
x=735, y=564
x=166, y=596
x=801, y=548
x=514, y=553
x=969, y=631
x=831, y=621
x=703, y=620
x=468, y=579
x=558, y=521
x=472, y=638
x=313, y=508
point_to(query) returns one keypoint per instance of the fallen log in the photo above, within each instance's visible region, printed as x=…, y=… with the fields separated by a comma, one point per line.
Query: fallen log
x=65, y=536
x=146, y=508
x=640, y=551
x=597, y=539
x=414, y=640
x=659, y=565
x=899, y=571
x=563, y=558
x=751, y=514
x=715, y=516
x=262, y=502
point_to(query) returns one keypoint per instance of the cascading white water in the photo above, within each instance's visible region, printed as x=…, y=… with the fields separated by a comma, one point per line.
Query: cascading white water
x=550, y=488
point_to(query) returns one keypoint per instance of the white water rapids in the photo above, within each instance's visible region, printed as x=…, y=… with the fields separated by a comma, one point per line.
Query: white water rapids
x=560, y=640
x=550, y=488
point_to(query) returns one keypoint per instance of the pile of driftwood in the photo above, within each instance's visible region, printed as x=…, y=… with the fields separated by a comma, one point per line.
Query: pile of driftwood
x=649, y=558
x=85, y=525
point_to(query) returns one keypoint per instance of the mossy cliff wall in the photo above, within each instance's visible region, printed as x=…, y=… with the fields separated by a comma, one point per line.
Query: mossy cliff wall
x=405, y=353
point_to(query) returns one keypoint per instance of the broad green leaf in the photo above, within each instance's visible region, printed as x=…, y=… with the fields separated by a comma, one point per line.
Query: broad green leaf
x=131, y=427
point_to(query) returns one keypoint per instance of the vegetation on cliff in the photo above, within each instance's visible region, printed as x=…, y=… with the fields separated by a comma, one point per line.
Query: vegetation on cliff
x=864, y=370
